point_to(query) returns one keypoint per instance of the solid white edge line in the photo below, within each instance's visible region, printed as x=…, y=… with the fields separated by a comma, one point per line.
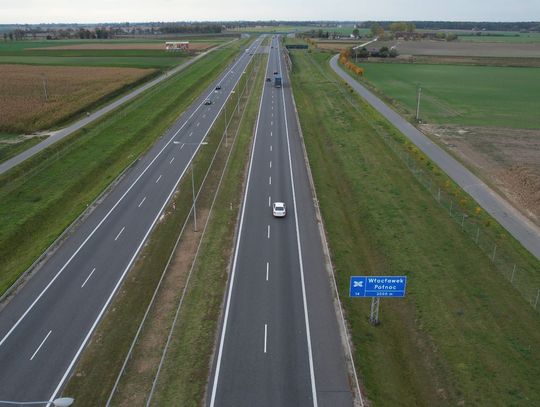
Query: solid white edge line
x=306, y=316
x=8, y=334
x=88, y=278
x=265, y=336
x=40, y=345
x=233, y=272
x=98, y=318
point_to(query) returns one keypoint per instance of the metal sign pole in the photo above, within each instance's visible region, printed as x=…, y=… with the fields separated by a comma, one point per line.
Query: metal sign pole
x=374, y=317
x=376, y=287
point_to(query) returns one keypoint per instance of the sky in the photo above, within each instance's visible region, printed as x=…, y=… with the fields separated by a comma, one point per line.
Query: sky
x=101, y=11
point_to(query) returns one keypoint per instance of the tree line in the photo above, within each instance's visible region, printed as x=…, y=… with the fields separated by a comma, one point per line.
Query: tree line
x=460, y=25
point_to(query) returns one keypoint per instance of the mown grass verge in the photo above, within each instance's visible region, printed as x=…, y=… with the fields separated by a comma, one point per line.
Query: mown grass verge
x=43, y=195
x=97, y=370
x=462, y=336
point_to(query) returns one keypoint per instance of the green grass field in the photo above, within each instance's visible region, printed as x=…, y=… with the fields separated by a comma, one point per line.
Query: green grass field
x=39, y=53
x=42, y=196
x=466, y=95
x=461, y=336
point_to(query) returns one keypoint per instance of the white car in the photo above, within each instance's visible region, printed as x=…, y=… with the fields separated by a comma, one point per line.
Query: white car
x=279, y=210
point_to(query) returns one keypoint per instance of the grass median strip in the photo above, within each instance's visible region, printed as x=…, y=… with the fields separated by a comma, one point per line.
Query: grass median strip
x=43, y=195
x=95, y=374
x=462, y=335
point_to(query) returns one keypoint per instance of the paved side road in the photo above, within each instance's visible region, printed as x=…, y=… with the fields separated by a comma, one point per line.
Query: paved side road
x=509, y=217
x=60, y=134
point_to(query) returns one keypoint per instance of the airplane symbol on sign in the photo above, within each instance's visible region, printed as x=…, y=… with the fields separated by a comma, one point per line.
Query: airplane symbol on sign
x=358, y=283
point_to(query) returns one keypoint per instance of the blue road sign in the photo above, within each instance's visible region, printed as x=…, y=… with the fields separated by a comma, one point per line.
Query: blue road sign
x=378, y=286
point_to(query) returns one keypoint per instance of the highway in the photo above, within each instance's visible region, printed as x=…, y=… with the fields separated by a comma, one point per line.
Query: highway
x=47, y=324
x=527, y=233
x=279, y=342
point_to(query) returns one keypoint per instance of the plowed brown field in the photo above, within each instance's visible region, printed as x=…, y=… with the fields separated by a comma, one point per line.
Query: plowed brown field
x=71, y=90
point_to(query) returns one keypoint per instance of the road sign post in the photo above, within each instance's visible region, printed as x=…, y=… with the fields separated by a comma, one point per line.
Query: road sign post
x=374, y=317
x=377, y=287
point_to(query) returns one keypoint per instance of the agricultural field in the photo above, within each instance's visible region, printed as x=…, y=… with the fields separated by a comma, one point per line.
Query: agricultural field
x=463, y=48
x=461, y=337
x=486, y=115
x=70, y=91
x=513, y=38
x=197, y=46
x=444, y=49
x=77, y=75
x=113, y=53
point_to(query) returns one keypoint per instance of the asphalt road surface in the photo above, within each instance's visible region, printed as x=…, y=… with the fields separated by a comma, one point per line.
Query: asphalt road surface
x=45, y=327
x=509, y=217
x=280, y=342
x=79, y=124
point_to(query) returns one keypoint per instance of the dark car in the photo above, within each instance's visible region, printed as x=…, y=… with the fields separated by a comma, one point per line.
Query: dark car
x=276, y=72
x=218, y=87
x=268, y=79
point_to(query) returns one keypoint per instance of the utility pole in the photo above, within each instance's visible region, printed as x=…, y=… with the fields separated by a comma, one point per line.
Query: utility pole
x=46, y=93
x=418, y=95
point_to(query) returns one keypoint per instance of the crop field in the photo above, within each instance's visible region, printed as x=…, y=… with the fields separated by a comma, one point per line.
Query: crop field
x=23, y=108
x=486, y=115
x=110, y=53
x=513, y=38
x=463, y=48
x=460, y=337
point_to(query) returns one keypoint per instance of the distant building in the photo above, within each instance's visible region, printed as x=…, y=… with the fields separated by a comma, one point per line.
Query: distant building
x=177, y=46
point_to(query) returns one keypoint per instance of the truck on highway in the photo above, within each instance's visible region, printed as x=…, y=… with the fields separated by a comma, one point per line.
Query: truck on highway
x=277, y=81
